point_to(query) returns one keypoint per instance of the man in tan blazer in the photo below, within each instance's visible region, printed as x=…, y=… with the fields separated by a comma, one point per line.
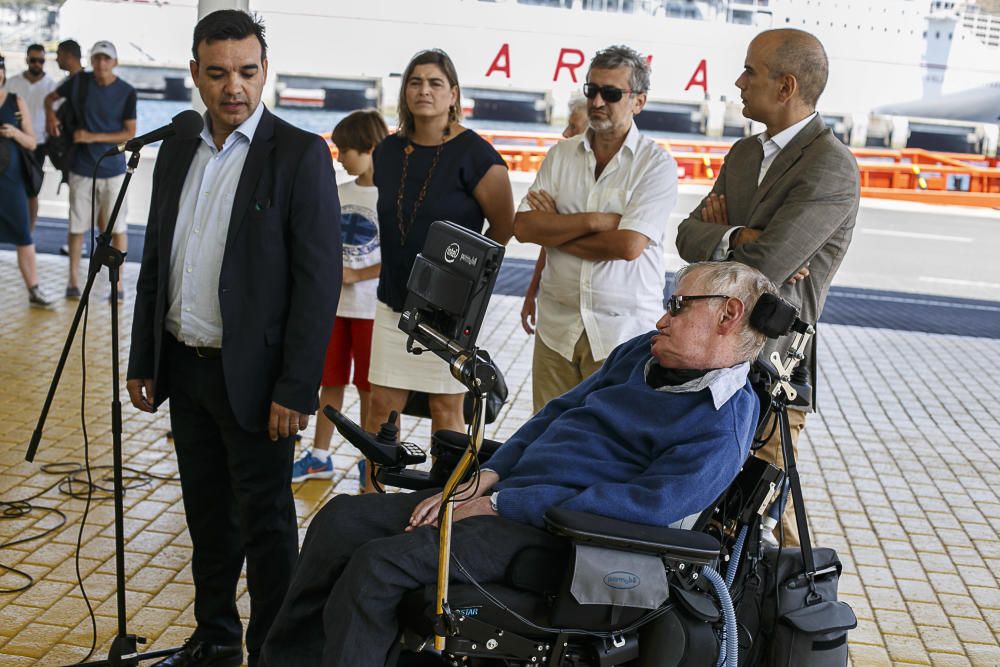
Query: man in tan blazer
x=786, y=200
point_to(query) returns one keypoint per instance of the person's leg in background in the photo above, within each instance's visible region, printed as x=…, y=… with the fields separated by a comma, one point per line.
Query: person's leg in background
x=79, y=224
x=317, y=462
x=107, y=193
x=787, y=533
x=551, y=374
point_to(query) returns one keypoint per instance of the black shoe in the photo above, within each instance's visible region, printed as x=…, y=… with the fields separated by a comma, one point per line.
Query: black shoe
x=201, y=654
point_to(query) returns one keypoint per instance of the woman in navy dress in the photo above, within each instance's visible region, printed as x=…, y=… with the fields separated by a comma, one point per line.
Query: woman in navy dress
x=431, y=169
x=15, y=129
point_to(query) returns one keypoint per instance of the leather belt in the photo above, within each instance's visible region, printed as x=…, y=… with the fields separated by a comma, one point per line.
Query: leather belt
x=206, y=352
x=200, y=351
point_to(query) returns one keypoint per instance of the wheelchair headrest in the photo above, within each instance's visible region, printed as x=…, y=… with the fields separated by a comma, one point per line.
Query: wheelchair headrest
x=773, y=316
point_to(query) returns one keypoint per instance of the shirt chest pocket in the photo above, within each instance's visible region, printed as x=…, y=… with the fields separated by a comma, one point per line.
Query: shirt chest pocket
x=609, y=200
x=218, y=224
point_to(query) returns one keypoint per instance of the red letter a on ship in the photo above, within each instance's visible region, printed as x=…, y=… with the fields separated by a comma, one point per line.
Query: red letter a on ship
x=501, y=63
x=700, y=77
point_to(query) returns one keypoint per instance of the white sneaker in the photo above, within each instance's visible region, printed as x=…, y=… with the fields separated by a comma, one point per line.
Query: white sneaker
x=39, y=299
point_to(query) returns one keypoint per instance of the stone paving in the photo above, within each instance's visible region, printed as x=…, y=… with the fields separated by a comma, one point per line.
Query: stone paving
x=900, y=471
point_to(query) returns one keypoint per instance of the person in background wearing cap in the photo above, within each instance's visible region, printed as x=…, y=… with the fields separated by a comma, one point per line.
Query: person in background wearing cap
x=108, y=119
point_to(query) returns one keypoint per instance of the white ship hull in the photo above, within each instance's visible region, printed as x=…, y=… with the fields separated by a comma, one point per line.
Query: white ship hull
x=881, y=52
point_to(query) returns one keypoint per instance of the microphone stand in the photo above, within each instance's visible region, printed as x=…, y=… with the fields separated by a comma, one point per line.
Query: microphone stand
x=124, y=651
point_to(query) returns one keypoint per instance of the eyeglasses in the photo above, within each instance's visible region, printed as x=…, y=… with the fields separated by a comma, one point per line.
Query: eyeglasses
x=608, y=93
x=676, y=303
x=36, y=61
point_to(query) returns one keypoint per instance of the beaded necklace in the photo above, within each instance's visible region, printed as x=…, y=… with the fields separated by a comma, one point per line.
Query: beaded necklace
x=402, y=223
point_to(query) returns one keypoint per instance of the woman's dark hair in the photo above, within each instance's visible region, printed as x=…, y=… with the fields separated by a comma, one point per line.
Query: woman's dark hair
x=360, y=130
x=429, y=57
x=232, y=24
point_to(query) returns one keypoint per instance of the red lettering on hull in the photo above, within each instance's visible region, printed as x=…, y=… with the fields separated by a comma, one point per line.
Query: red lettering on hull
x=699, y=78
x=501, y=63
x=569, y=64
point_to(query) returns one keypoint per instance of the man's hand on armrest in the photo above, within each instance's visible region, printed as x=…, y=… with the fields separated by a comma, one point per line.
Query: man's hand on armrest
x=426, y=513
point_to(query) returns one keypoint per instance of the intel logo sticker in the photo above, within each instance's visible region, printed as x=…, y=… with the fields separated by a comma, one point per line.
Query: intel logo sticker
x=452, y=252
x=621, y=580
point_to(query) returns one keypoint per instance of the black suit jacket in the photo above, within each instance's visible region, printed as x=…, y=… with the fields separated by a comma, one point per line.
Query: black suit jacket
x=280, y=277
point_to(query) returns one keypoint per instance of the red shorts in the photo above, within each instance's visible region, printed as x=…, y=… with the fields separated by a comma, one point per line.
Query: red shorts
x=351, y=338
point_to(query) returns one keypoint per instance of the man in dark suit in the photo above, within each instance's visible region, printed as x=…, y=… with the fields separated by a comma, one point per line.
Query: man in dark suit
x=234, y=305
x=786, y=200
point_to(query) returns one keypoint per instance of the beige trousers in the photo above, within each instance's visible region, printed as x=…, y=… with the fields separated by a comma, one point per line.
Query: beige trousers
x=552, y=375
x=770, y=451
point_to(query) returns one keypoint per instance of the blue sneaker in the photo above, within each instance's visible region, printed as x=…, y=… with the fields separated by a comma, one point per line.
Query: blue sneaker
x=310, y=467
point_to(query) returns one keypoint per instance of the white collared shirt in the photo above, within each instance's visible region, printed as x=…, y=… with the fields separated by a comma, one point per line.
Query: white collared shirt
x=616, y=300
x=34, y=97
x=722, y=382
x=194, y=316
x=772, y=146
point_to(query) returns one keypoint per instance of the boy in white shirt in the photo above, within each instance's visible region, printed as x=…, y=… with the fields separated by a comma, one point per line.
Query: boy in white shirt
x=351, y=340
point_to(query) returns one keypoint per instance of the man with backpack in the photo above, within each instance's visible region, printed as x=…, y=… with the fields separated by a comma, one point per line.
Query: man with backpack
x=104, y=109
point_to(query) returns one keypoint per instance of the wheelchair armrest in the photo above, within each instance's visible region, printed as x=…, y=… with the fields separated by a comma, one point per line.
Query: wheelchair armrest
x=674, y=543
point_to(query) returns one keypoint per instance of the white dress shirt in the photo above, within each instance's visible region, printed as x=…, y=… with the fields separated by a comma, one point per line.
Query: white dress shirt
x=772, y=146
x=34, y=97
x=615, y=300
x=194, y=316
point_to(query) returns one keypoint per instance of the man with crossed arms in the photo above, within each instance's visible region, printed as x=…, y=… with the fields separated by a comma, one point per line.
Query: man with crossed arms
x=599, y=206
x=786, y=200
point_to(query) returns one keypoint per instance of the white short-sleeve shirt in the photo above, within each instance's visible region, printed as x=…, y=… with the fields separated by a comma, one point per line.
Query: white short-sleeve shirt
x=616, y=300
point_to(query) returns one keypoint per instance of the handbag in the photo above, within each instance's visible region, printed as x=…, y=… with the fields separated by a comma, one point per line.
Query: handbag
x=417, y=404
x=32, y=172
x=788, y=607
x=30, y=167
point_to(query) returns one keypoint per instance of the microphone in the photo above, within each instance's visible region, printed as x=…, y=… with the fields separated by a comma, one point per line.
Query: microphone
x=185, y=125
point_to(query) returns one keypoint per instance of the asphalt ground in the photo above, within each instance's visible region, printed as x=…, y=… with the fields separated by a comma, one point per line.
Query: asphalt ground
x=856, y=306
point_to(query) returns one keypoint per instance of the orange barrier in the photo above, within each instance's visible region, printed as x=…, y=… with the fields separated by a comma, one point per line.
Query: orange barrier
x=911, y=174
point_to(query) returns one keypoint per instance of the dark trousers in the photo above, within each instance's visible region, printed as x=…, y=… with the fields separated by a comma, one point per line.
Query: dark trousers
x=357, y=563
x=238, y=502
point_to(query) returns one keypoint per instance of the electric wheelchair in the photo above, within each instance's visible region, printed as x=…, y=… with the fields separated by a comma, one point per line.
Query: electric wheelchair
x=617, y=593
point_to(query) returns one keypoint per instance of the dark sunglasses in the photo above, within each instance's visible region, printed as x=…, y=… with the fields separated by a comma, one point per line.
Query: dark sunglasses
x=608, y=93
x=676, y=303
x=37, y=61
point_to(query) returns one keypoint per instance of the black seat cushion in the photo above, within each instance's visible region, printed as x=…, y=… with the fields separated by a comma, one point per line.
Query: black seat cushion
x=538, y=569
x=416, y=612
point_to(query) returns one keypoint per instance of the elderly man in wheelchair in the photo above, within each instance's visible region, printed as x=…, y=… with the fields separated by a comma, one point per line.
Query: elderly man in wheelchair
x=649, y=443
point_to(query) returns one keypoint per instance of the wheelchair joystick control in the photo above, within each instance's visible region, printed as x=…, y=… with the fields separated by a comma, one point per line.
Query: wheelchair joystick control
x=389, y=432
x=381, y=449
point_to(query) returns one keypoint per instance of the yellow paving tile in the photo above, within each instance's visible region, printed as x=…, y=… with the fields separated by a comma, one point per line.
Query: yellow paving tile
x=906, y=650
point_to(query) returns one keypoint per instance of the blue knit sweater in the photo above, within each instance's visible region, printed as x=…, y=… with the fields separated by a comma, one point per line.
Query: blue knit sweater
x=615, y=446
